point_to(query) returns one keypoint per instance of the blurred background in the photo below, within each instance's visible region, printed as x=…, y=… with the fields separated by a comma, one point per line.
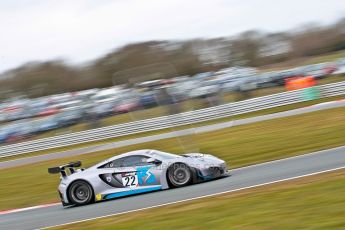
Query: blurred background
x=43, y=94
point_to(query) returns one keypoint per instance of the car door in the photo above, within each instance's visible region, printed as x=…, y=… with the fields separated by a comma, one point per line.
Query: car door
x=112, y=174
x=147, y=174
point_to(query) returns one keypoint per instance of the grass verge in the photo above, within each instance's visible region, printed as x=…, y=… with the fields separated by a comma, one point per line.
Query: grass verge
x=238, y=146
x=315, y=202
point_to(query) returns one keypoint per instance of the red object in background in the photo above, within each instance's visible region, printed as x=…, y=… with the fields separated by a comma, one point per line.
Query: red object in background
x=12, y=108
x=48, y=112
x=167, y=81
x=330, y=68
x=14, y=138
x=299, y=82
x=125, y=108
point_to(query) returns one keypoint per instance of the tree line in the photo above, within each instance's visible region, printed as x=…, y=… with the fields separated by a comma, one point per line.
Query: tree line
x=165, y=59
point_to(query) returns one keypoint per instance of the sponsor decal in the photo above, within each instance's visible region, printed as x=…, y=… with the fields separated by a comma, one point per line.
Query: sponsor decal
x=99, y=197
x=145, y=176
x=130, y=180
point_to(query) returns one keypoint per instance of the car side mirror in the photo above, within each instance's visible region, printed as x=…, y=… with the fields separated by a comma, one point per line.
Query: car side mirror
x=153, y=161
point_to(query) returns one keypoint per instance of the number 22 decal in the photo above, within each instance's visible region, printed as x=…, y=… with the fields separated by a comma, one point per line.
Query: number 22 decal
x=130, y=180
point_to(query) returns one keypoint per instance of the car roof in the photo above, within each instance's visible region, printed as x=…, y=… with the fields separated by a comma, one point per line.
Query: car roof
x=131, y=153
x=145, y=152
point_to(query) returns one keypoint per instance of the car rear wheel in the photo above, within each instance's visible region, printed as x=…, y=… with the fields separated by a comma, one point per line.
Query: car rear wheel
x=80, y=193
x=179, y=175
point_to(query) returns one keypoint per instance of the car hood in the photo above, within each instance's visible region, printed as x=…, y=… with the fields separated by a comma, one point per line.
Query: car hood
x=203, y=158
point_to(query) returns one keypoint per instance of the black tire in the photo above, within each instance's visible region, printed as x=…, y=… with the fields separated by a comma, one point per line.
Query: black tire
x=179, y=175
x=80, y=193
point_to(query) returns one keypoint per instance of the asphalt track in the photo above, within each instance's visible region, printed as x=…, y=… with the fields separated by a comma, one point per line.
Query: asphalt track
x=179, y=133
x=242, y=178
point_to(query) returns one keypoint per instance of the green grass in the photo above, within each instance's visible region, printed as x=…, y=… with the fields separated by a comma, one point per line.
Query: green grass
x=297, y=62
x=247, y=115
x=312, y=203
x=326, y=58
x=238, y=146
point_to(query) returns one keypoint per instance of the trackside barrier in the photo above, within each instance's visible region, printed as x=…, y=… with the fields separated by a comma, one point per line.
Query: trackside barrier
x=158, y=123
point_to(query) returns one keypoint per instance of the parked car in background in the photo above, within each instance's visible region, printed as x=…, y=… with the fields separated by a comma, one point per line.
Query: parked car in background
x=320, y=70
x=148, y=99
x=180, y=90
x=65, y=106
x=48, y=111
x=6, y=133
x=107, y=95
x=46, y=124
x=16, y=110
x=242, y=84
x=340, y=64
x=70, y=117
x=15, y=132
x=103, y=109
x=127, y=103
x=205, y=89
x=265, y=80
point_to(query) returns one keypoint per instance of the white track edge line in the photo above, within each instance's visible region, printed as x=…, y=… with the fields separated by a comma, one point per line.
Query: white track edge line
x=3, y=212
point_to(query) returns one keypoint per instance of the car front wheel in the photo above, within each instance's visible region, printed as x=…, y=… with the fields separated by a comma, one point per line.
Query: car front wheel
x=179, y=175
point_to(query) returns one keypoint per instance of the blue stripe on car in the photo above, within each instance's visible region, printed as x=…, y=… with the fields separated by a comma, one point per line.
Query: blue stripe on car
x=132, y=192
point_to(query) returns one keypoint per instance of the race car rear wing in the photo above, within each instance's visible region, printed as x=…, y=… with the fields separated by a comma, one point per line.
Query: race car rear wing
x=62, y=168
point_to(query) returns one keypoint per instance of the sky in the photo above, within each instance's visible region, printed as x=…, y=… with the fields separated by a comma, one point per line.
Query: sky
x=79, y=31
